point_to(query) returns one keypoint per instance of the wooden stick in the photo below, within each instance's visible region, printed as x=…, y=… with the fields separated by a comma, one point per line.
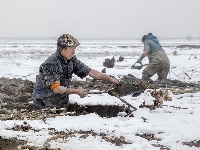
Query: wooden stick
x=127, y=103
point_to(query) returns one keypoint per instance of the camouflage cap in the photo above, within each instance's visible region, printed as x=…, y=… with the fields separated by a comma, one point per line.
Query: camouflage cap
x=66, y=40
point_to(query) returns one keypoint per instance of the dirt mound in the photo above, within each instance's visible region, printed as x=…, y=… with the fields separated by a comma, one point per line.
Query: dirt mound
x=10, y=144
x=16, y=96
x=15, y=103
x=192, y=143
x=15, y=93
x=109, y=63
x=188, y=46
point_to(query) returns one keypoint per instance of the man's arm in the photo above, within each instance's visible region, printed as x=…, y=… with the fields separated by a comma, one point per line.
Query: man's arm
x=145, y=53
x=80, y=91
x=57, y=88
x=67, y=91
x=100, y=76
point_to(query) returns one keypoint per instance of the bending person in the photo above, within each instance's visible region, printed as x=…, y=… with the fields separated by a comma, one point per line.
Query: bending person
x=52, y=86
x=158, y=60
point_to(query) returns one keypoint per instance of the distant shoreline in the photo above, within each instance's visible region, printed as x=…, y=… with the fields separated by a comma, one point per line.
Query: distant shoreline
x=55, y=38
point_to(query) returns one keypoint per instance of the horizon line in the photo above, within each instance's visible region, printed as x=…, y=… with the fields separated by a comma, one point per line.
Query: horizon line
x=99, y=38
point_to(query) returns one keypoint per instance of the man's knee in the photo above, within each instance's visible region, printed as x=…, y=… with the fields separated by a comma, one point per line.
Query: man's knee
x=38, y=104
x=163, y=73
x=147, y=74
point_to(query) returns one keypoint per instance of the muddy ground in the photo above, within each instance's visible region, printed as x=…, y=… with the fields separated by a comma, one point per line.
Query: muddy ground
x=16, y=94
x=16, y=103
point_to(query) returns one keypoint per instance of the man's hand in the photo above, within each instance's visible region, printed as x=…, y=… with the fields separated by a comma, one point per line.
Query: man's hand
x=79, y=91
x=82, y=92
x=114, y=80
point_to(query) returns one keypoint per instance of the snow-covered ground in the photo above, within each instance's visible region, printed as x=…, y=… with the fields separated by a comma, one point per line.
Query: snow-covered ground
x=177, y=122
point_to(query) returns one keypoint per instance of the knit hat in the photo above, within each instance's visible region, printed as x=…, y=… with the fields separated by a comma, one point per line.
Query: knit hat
x=66, y=40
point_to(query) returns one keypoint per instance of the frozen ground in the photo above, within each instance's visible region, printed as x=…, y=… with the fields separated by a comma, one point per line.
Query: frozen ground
x=174, y=127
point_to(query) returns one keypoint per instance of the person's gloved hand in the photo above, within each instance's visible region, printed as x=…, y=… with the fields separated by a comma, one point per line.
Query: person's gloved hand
x=82, y=92
x=140, y=59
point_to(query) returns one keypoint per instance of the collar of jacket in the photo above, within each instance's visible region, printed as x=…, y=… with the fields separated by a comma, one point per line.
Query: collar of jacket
x=59, y=56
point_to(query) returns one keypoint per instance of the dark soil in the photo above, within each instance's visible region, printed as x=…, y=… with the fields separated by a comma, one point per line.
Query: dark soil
x=150, y=137
x=188, y=46
x=109, y=63
x=16, y=96
x=192, y=143
x=10, y=144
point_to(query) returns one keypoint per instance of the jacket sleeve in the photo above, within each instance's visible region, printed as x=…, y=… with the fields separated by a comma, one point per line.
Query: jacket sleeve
x=80, y=69
x=50, y=73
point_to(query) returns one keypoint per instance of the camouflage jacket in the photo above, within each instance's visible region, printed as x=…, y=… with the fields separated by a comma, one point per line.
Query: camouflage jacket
x=54, y=69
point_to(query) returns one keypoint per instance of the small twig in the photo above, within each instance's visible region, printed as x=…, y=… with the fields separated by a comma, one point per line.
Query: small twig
x=176, y=107
x=187, y=75
x=127, y=103
x=98, y=92
x=46, y=143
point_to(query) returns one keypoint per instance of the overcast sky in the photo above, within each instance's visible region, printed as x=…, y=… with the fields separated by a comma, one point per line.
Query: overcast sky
x=99, y=18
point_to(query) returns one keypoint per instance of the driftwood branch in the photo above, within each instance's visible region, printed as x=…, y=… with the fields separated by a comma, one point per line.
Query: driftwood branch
x=127, y=103
x=98, y=92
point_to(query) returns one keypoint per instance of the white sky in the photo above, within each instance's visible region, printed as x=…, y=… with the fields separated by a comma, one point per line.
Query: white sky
x=99, y=19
